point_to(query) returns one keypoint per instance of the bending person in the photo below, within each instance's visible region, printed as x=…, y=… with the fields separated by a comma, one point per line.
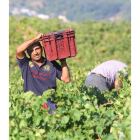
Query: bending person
x=104, y=76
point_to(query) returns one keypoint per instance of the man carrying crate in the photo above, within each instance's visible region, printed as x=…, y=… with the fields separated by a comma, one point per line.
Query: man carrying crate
x=39, y=74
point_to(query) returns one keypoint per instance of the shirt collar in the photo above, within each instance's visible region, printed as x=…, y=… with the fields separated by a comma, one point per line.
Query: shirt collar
x=44, y=62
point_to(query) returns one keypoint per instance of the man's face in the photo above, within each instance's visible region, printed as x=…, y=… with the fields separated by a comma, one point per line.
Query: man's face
x=35, y=52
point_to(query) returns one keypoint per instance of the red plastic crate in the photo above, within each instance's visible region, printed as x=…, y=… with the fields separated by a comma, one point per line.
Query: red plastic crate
x=59, y=45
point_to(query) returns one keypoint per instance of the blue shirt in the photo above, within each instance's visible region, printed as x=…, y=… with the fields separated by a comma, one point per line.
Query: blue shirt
x=39, y=79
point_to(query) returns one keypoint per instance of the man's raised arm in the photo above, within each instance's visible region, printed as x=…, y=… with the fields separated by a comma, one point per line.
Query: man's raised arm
x=21, y=48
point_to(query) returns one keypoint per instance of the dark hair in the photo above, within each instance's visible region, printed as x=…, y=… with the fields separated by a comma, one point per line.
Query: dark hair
x=33, y=45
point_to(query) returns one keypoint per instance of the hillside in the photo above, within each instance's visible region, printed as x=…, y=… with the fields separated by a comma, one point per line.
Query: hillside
x=109, y=10
x=96, y=41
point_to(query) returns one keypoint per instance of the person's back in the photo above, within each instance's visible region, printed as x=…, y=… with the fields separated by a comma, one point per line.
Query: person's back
x=108, y=70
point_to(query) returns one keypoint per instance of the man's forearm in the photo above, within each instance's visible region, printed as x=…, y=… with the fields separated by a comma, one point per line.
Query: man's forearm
x=25, y=45
x=117, y=83
x=65, y=72
x=21, y=48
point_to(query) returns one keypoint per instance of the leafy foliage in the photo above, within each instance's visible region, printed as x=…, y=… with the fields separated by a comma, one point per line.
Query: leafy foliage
x=79, y=116
x=83, y=112
x=96, y=41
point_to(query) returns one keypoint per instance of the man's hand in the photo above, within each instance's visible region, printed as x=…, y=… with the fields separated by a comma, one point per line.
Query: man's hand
x=39, y=37
x=65, y=71
x=22, y=47
x=117, y=83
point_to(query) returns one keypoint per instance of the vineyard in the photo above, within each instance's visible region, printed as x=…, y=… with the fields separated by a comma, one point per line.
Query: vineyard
x=83, y=113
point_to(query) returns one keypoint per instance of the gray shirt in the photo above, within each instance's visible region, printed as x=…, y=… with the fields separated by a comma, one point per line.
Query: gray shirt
x=109, y=69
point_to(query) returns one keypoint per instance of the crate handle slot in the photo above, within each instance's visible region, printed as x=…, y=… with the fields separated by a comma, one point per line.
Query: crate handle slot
x=58, y=36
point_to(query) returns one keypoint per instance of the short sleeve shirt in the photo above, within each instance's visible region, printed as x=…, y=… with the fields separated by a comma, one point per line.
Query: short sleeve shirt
x=109, y=69
x=39, y=79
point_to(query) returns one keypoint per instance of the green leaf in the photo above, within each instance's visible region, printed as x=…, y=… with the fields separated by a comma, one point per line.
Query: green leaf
x=99, y=130
x=117, y=102
x=91, y=132
x=52, y=119
x=76, y=114
x=60, y=109
x=87, y=105
x=15, y=131
x=9, y=104
x=41, y=131
x=64, y=120
x=59, y=93
x=102, y=109
x=36, y=120
x=110, y=137
x=22, y=124
x=50, y=135
x=12, y=123
x=46, y=118
x=84, y=97
x=68, y=102
x=38, y=137
x=28, y=114
x=28, y=95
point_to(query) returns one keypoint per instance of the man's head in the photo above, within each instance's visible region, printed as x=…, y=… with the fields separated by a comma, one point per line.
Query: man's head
x=96, y=81
x=35, y=51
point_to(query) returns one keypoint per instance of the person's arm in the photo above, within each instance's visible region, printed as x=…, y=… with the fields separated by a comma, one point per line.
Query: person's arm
x=22, y=47
x=117, y=83
x=65, y=71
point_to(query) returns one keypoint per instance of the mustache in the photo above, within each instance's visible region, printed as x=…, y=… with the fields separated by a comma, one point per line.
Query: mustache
x=36, y=54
